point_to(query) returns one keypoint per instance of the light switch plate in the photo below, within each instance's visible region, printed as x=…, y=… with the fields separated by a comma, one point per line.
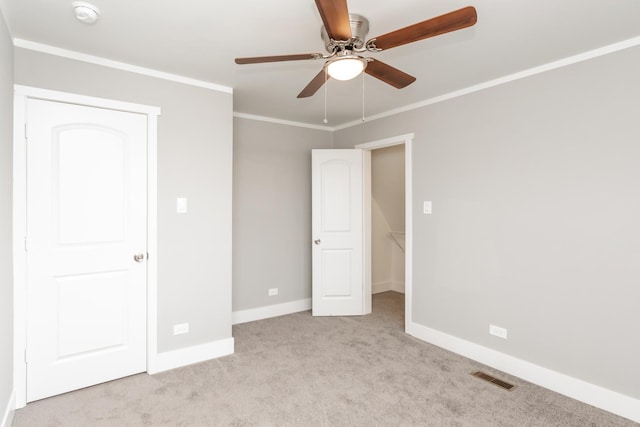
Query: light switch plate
x=181, y=328
x=427, y=207
x=181, y=205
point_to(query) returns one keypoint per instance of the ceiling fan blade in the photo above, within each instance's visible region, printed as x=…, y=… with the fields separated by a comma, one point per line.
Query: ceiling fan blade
x=335, y=16
x=314, y=84
x=389, y=74
x=452, y=21
x=262, y=59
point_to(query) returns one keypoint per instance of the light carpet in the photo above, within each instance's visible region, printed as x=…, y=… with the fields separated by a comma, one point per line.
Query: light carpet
x=298, y=370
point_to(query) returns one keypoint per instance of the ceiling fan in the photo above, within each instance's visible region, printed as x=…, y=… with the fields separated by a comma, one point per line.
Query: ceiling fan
x=344, y=37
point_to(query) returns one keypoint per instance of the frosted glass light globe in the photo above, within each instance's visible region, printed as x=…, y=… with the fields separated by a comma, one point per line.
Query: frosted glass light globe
x=346, y=68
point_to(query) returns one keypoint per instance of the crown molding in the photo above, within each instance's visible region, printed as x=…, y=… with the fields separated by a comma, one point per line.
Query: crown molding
x=282, y=122
x=612, y=48
x=595, y=53
x=70, y=54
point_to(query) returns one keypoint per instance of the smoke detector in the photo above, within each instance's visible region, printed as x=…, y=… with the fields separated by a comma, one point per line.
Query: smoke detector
x=85, y=12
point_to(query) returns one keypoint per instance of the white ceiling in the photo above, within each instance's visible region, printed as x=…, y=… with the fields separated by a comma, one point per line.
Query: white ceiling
x=200, y=39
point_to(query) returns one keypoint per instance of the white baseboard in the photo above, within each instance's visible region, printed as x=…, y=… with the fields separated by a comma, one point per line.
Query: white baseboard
x=379, y=287
x=190, y=355
x=250, y=315
x=397, y=287
x=386, y=286
x=7, y=416
x=574, y=388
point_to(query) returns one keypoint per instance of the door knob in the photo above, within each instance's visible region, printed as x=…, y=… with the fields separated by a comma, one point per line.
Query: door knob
x=317, y=241
x=138, y=257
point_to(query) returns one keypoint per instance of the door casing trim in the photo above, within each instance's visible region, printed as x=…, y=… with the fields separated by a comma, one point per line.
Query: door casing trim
x=21, y=95
x=407, y=140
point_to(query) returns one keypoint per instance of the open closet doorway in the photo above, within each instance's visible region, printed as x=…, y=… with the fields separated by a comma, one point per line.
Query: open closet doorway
x=388, y=229
x=389, y=233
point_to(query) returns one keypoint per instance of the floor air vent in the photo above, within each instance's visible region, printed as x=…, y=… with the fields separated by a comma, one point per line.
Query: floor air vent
x=505, y=385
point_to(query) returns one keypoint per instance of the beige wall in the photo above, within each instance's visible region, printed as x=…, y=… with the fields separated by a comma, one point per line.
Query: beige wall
x=272, y=211
x=194, y=161
x=387, y=215
x=387, y=183
x=381, y=247
x=6, y=179
x=535, y=224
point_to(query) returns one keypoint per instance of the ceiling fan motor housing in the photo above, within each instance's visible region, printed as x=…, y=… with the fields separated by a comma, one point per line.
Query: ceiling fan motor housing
x=359, y=31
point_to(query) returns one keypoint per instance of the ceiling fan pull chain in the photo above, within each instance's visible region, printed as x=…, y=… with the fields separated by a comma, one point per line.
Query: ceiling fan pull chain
x=325, y=96
x=363, y=97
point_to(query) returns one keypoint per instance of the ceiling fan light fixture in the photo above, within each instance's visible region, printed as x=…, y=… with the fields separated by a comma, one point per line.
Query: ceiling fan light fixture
x=346, y=67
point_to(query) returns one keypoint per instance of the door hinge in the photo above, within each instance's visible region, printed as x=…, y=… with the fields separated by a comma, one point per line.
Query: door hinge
x=26, y=132
x=25, y=356
x=26, y=246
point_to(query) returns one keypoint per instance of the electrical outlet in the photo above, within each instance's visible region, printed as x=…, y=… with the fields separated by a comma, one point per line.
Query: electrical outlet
x=273, y=292
x=498, y=331
x=181, y=328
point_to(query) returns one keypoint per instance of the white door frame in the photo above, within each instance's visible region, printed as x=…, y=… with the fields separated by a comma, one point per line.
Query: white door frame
x=21, y=94
x=407, y=140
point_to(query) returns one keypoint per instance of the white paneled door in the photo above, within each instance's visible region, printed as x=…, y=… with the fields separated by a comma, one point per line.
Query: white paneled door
x=338, y=213
x=86, y=246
